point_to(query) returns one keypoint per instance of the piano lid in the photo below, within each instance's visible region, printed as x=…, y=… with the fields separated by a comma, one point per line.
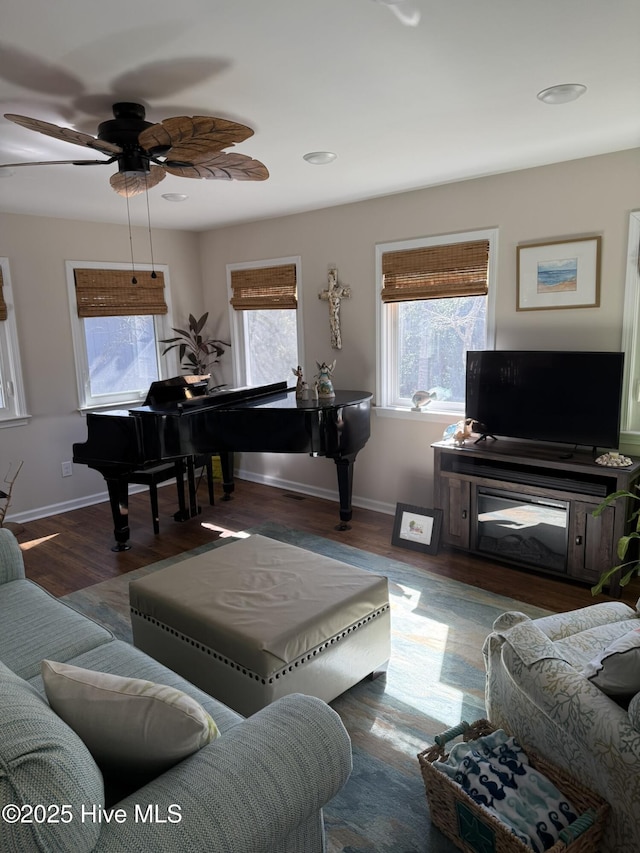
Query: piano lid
x=177, y=388
x=178, y=403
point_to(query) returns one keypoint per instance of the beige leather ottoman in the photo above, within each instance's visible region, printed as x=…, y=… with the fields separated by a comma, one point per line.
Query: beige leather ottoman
x=256, y=619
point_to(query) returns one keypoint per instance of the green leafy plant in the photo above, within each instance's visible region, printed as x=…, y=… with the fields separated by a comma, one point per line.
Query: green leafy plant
x=629, y=567
x=196, y=351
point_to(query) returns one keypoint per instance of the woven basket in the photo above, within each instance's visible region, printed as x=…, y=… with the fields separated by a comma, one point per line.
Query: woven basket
x=473, y=829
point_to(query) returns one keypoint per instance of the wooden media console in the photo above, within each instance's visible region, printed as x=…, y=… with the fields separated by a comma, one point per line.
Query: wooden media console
x=532, y=505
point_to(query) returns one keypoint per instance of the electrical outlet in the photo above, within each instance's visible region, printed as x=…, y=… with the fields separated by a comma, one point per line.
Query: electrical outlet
x=67, y=470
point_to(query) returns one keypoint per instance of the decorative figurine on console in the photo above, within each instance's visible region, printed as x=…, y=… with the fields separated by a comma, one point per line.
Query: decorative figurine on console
x=325, y=385
x=464, y=429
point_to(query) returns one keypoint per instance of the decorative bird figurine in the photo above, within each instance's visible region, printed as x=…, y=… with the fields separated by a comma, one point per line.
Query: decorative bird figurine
x=422, y=398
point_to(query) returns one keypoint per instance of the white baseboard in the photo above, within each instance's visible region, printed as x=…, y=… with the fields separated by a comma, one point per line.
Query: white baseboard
x=314, y=491
x=288, y=485
x=67, y=506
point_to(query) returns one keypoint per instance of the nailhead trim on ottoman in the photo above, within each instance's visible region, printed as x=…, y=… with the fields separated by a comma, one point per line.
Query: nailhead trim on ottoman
x=194, y=615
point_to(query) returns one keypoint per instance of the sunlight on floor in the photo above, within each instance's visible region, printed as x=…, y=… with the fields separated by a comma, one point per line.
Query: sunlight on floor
x=409, y=599
x=420, y=643
x=26, y=546
x=224, y=533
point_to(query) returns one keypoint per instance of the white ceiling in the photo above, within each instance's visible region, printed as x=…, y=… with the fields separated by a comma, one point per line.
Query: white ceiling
x=403, y=107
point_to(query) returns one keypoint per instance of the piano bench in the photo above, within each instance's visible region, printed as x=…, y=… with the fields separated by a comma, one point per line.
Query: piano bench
x=152, y=477
x=256, y=619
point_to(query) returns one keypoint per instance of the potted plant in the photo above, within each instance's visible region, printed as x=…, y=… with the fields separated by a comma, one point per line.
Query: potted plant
x=627, y=567
x=196, y=351
x=5, y=498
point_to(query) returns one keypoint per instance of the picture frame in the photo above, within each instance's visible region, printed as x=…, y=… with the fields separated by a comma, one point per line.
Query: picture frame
x=417, y=528
x=559, y=274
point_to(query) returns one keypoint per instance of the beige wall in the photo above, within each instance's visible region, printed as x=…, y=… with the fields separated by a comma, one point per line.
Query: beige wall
x=582, y=197
x=37, y=249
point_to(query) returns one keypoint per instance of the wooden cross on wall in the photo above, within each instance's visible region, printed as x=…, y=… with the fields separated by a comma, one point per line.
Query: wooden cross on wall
x=333, y=295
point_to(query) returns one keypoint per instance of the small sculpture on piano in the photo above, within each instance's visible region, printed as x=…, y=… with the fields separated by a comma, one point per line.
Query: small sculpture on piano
x=301, y=385
x=325, y=385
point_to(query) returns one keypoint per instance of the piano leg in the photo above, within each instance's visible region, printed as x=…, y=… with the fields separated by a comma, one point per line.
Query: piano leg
x=119, y=499
x=226, y=466
x=344, y=467
x=194, y=508
x=183, y=513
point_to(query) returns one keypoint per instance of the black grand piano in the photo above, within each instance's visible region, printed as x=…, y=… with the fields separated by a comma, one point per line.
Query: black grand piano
x=180, y=422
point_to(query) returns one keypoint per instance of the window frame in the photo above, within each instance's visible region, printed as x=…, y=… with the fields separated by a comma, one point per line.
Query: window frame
x=387, y=324
x=631, y=337
x=236, y=319
x=163, y=323
x=11, y=375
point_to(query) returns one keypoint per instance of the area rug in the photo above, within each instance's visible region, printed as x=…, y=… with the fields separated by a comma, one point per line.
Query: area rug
x=435, y=679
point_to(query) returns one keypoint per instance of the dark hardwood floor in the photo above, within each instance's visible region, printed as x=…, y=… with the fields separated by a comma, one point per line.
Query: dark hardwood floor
x=72, y=550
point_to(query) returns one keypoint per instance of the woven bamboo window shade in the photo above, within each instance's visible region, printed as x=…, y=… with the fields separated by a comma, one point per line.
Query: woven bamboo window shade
x=3, y=305
x=264, y=287
x=110, y=293
x=436, y=272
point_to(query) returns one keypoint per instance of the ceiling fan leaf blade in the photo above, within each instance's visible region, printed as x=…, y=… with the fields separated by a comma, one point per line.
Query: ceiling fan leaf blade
x=156, y=174
x=129, y=185
x=126, y=185
x=66, y=134
x=189, y=136
x=223, y=167
x=56, y=163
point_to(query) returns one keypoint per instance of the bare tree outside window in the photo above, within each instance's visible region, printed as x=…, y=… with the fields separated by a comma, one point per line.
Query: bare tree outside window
x=433, y=338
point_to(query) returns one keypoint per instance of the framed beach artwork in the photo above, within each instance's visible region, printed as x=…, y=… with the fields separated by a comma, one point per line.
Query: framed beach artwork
x=563, y=274
x=417, y=528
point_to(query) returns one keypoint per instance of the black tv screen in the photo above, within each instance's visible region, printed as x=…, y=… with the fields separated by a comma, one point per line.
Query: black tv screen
x=562, y=397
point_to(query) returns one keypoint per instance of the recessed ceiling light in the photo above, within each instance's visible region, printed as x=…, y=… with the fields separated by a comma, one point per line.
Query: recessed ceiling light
x=562, y=94
x=319, y=158
x=175, y=196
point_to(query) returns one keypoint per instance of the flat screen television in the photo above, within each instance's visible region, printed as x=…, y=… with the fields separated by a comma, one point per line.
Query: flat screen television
x=562, y=397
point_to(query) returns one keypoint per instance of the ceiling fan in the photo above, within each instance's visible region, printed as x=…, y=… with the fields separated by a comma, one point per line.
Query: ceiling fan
x=185, y=146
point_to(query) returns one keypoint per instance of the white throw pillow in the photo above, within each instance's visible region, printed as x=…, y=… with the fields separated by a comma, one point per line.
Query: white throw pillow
x=616, y=670
x=127, y=722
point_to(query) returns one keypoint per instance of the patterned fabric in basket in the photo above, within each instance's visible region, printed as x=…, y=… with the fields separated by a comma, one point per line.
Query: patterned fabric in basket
x=496, y=773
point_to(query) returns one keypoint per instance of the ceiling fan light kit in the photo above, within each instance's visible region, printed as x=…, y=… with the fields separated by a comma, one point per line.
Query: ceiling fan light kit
x=563, y=93
x=319, y=158
x=175, y=196
x=184, y=146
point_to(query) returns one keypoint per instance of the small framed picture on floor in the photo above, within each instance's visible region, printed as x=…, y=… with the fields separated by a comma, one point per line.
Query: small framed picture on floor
x=417, y=528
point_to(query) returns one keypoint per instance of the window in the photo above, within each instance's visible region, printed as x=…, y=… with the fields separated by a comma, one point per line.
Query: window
x=266, y=334
x=13, y=409
x=116, y=326
x=631, y=336
x=436, y=301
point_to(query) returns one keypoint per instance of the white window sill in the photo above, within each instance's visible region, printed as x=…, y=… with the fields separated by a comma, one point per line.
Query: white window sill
x=15, y=421
x=428, y=414
x=631, y=439
x=125, y=405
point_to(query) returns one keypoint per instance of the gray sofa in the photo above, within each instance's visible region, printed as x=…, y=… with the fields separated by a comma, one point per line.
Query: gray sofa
x=260, y=786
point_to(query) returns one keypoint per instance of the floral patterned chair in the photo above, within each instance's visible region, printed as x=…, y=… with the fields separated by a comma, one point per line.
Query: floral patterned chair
x=546, y=683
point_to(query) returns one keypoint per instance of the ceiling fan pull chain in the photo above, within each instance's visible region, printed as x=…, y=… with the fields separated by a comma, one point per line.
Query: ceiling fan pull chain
x=134, y=280
x=153, y=268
